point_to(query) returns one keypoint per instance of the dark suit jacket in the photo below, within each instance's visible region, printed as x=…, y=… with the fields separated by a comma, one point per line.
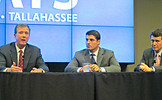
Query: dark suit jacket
x=105, y=59
x=32, y=57
x=148, y=59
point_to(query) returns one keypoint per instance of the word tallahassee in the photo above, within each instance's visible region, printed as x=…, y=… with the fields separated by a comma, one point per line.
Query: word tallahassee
x=17, y=16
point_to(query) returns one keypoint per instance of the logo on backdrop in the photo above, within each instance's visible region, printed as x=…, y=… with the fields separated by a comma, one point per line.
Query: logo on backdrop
x=41, y=17
x=37, y=4
x=65, y=6
x=1, y=16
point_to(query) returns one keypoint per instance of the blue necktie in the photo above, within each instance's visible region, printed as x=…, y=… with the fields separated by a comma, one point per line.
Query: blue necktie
x=92, y=59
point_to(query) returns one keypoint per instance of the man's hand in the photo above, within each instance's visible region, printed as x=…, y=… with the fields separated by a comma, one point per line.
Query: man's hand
x=35, y=70
x=157, y=61
x=14, y=68
x=85, y=68
x=81, y=70
x=94, y=68
x=145, y=68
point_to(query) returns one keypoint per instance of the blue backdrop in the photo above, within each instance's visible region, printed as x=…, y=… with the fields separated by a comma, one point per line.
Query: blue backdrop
x=58, y=27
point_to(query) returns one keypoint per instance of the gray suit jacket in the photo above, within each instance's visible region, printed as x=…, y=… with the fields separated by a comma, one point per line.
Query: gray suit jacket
x=148, y=59
x=105, y=59
x=32, y=57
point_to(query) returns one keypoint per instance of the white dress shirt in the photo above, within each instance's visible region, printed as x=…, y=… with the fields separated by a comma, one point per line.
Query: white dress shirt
x=153, y=67
x=95, y=57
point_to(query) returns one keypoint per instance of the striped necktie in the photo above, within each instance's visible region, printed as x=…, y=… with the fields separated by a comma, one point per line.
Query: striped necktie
x=21, y=59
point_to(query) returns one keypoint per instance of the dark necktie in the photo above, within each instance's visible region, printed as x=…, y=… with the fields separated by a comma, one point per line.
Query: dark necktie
x=92, y=59
x=20, y=59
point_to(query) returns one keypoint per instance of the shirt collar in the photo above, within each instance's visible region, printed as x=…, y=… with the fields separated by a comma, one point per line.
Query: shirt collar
x=158, y=53
x=96, y=53
x=18, y=49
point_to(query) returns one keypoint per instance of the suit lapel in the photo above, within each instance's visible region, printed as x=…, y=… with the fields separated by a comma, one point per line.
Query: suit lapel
x=87, y=57
x=100, y=56
x=151, y=62
x=27, y=54
x=161, y=60
x=13, y=53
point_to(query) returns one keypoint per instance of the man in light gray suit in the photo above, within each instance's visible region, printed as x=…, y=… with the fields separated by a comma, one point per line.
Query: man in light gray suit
x=101, y=60
x=151, y=59
x=31, y=59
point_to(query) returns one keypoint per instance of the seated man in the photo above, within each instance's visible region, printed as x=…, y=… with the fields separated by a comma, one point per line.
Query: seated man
x=151, y=59
x=20, y=56
x=101, y=60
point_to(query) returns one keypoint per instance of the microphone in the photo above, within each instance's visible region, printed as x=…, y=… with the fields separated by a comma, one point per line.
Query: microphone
x=154, y=61
x=23, y=57
x=95, y=63
x=137, y=69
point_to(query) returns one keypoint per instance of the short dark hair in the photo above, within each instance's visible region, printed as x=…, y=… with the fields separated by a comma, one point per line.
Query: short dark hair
x=94, y=33
x=156, y=33
x=21, y=25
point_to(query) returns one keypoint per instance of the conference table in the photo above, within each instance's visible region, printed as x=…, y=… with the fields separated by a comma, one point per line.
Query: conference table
x=81, y=86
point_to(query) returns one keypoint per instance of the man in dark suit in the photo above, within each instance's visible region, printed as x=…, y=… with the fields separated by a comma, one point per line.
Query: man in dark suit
x=101, y=60
x=151, y=59
x=20, y=56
